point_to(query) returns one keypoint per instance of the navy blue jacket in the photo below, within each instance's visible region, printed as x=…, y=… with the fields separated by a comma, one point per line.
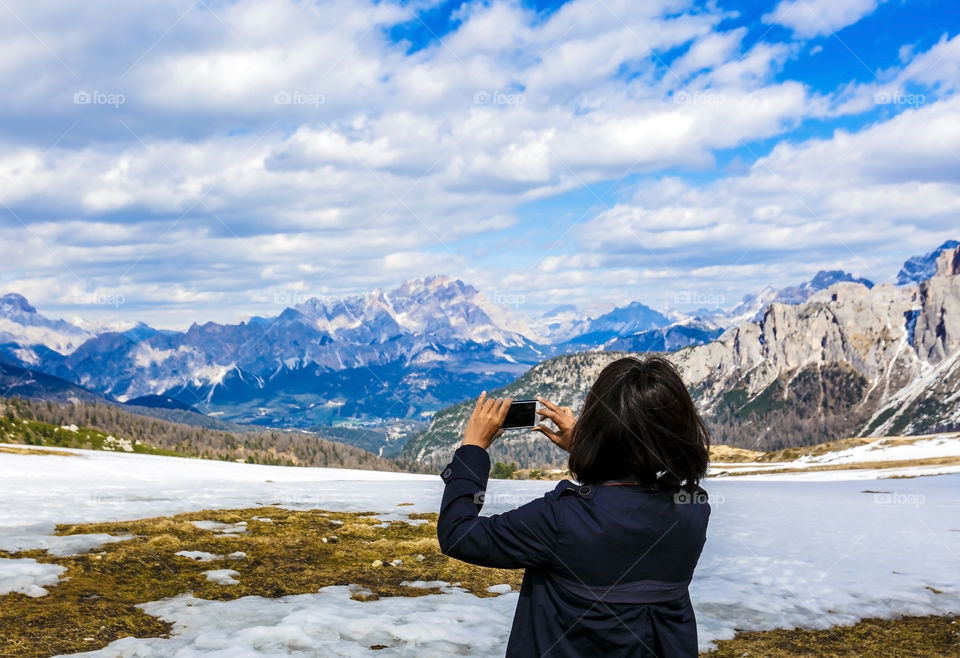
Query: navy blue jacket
x=607, y=565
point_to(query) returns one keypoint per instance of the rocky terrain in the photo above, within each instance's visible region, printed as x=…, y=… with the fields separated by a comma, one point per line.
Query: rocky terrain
x=851, y=360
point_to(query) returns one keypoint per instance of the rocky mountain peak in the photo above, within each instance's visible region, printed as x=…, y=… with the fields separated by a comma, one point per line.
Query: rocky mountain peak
x=14, y=302
x=921, y=268
x=948, y=263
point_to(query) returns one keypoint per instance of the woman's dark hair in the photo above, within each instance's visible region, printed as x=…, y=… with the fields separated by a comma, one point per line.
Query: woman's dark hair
x=639, y=422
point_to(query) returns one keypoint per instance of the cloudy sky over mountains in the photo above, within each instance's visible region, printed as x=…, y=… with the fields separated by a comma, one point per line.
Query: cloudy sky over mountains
x=191, y=161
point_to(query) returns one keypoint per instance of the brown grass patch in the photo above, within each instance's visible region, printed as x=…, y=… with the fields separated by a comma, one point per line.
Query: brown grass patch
x=869, y=638
x=17, y=450
x=285, y=556
x=730, y=455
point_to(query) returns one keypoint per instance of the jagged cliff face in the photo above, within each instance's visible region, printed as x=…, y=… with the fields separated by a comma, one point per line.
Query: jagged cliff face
x=847, y=323
x=938, y=325
x=872, y=361
x=850, y=360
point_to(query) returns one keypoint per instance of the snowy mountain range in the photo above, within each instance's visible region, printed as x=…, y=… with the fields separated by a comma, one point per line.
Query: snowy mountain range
x=921, y=268
x=751, y=307
x=389, y=354
x=852, y=360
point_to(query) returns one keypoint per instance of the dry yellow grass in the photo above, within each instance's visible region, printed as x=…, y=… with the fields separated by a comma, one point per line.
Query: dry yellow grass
x=730, y=455
x=911, y=637
x=285, y=556
x=17, y=450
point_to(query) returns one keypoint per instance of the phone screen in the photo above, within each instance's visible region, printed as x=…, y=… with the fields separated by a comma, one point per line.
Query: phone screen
x=522, y=414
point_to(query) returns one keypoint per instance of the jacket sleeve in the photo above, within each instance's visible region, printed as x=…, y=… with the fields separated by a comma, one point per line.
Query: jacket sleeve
x=523, y=537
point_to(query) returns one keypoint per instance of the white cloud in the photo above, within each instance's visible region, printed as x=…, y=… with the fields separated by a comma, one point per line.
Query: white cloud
x=842, y=200
x=811, y=18
x=208, y=190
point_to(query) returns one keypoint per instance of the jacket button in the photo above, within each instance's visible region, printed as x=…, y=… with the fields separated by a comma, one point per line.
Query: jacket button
x=447, y=472
x=585, y=490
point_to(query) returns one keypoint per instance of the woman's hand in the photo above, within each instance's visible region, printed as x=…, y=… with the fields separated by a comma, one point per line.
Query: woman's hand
x=484, y=424
x=562, y=417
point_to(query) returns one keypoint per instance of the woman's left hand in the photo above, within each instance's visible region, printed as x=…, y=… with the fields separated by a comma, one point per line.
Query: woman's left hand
x=484, y=424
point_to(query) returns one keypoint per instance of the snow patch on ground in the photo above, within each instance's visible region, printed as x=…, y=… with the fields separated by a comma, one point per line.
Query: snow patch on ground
x=500, y=589
x=199, y=556
x=28, y=576
x=223, y=529
x=424, y=584
x=57, y=545
x=203, y=556
x=223, y=576
x=328, y=623
x=887, y=450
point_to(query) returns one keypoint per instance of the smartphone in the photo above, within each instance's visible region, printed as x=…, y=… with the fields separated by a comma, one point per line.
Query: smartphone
x=522, y=414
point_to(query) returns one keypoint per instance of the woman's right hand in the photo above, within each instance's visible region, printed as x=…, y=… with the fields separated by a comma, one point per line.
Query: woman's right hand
x=562, y=417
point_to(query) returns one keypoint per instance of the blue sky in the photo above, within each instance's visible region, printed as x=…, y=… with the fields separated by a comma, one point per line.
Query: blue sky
x=213, y=160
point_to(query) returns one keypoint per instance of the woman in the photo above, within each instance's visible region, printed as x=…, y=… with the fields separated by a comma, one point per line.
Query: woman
x=607, y=561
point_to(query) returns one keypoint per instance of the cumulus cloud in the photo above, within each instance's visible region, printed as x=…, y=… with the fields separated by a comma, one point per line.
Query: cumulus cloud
x=826, y=203
x=811, y=18
x=200, y=159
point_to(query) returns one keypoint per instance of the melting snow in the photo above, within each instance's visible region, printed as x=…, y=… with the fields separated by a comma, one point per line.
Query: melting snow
x=28, y=576
x=60, y=546
x=889, y=450
x=424, y=584
x=199, y=556
x=778, y=554
x=223, y=576
x=225, y=529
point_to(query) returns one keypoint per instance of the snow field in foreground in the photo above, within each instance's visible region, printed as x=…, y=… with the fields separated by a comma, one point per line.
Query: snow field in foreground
x=328, y=623
x=779, y=553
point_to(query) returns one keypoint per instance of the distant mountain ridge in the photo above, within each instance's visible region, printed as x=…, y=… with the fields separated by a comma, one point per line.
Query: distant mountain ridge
x=921, y=268
x=385, y=356
x=21, y=324
x=751, y=307
x=850, y=360
x=622, y=321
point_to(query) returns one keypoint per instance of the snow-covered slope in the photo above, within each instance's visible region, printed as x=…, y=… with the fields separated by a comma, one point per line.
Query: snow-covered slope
x=560, y=323
x=892, y=449
x=884, y=457
x=20, y=323
x=921, y=268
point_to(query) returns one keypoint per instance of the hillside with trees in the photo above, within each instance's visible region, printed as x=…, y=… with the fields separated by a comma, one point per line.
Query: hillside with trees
x=51, y=423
